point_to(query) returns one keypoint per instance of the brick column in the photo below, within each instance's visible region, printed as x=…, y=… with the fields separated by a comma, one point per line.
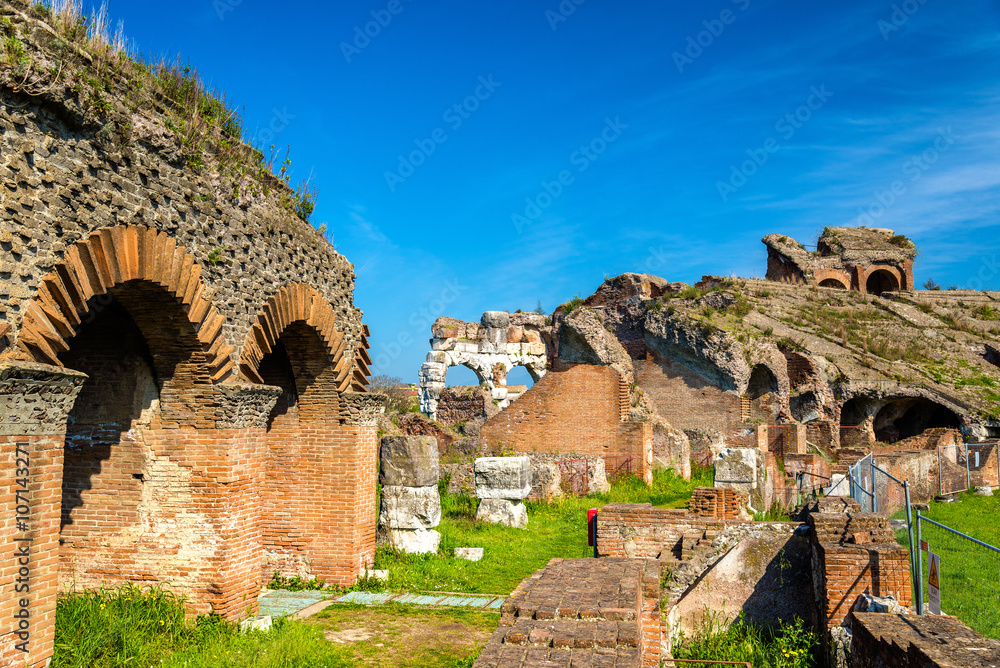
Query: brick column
x=242, y=425
x=35, y=400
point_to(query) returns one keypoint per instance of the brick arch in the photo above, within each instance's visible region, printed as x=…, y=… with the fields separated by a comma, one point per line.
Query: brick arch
x=108, y=258
x=295, y=302
x=868, y=271
x=832, y=274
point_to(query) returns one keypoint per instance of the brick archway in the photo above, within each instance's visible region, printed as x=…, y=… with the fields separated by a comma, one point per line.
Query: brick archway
x=296, y=302
x=823, y=278
x=892, y=272
x=108, y=258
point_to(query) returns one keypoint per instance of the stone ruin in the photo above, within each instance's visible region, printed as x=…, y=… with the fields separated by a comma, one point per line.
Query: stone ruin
x=502, y=484
x=868, y=260
x=181, y=360
x=410, y=502
x=491, y=348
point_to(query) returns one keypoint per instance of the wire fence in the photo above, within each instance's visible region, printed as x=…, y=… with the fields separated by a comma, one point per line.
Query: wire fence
x=967, y=578
x=968, y=465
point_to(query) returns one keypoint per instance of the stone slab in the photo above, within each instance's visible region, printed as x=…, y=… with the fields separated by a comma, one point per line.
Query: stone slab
x=503, y=477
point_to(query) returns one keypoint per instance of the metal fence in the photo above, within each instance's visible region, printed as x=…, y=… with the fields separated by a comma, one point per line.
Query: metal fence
x=862, y=484
x=967, y=579
x=617, y=466
x=968, y=465
x=702, y=458
x=574, y=476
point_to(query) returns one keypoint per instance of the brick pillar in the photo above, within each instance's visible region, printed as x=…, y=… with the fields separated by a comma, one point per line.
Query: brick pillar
x=359, y=416
x=35, y=400
x=241, y=431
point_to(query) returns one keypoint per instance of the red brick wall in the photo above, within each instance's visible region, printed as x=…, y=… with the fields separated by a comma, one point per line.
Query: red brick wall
x=718, y=503
x=319, y=490
x=848, y=571
x=575, y=409
x=641, y=530
x=685, y=399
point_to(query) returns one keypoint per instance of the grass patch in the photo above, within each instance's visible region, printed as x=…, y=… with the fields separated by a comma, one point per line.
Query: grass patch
x=790, y=646
x=557, y=528
x=408, y=636
x=130, y=626
x=968, y=571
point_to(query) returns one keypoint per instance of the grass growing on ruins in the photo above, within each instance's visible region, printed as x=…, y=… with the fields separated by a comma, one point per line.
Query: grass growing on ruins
x=556, y=528
x=790, y=646
x=407, y=636
x=968, y=572
x=131, y=626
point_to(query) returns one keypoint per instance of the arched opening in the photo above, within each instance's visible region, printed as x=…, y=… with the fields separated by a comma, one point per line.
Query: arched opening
x=904, y=418
x=855, y=429
x=762, y=381
x=276, y=369
x=463, y=376
x=881, y=281
x=121, y=489
x=832, y=283
x=854, y=412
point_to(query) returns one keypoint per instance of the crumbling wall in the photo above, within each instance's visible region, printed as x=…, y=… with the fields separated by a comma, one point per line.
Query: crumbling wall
x=579, y=408
x=924, y=641
x=172, y=285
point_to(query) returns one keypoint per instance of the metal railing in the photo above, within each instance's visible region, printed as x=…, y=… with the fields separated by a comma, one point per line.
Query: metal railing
x=574, y=476
x=862, y=484
x=967, y=465
x=967, y=578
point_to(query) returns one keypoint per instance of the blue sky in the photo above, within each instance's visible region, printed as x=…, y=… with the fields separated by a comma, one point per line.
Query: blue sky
x=597, y=138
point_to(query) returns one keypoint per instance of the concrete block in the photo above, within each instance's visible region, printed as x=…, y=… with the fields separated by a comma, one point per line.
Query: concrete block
x=410, y=507
x=409, y=461
x=469, y=553
x=503, y=477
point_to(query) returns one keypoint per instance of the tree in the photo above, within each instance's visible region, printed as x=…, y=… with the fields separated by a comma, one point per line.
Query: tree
x=392, y=387
x=929, y=284
x=538, y=308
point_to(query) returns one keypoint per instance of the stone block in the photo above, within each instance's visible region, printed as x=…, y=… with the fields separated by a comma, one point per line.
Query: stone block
x=496, y=320
x=983, y=490
x=503, y=512
x=382, y=575
x=469, y=553
x=256, y=624
x=409, y=461
x=410, y=507
x=503, y=477
x=413, y=541
x=743, y=469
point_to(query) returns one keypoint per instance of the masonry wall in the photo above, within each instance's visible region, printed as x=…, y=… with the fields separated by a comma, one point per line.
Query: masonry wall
x=574, y=409
x=141, y=290
x=685, y=399
x=640, y=530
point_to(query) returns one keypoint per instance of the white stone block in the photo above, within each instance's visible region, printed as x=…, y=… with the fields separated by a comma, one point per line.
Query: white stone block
x=504, y=512
x=503, y=477
x=413, y=541
x=469, y=553
x=256, y=624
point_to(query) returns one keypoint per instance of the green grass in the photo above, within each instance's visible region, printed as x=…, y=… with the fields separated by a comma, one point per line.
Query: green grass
x=790, y=646
x=557, y=528
x=407, y=636
x=130, y=626
x=969, y=572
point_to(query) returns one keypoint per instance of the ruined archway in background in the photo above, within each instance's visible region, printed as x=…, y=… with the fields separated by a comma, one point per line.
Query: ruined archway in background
x=108, y=258
x=880, y=281
x=906, y=417
x=833, y=283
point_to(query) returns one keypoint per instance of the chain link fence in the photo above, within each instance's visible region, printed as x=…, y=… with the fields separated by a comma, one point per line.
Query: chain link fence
x=968, y=577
